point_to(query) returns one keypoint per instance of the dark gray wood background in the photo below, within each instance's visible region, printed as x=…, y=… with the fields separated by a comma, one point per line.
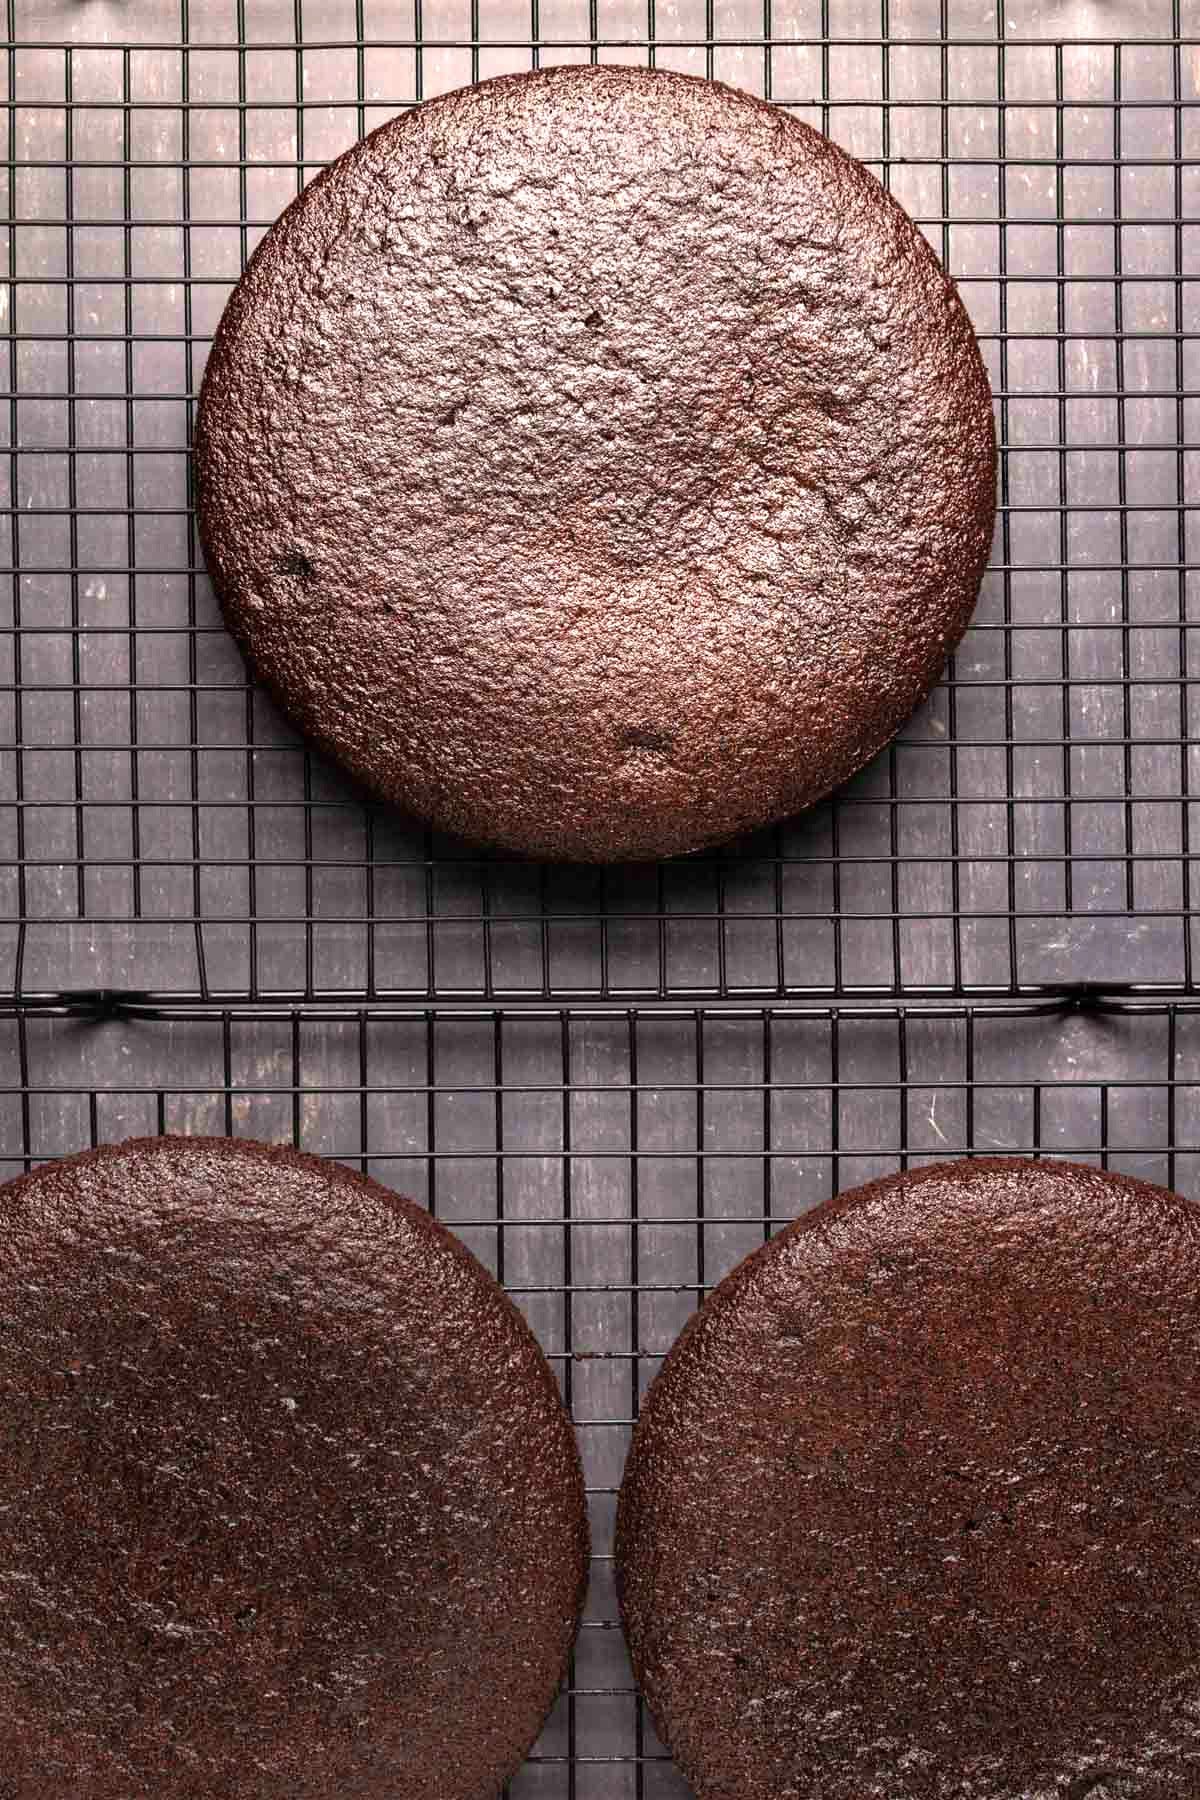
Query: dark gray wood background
x=613, y=1084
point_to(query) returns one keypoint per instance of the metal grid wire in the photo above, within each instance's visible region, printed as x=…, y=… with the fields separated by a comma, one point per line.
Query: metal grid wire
x=611, y=1164
x=163, y=829
x=203, y=927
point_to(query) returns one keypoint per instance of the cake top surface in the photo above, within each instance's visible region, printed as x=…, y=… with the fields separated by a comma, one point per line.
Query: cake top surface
x=289, y=1505
x=911, y=1510
x=597, y=461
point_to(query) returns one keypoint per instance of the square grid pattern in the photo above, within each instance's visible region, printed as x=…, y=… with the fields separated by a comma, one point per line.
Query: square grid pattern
x=163, y=829
x=610, y=1164
x=611, y=1083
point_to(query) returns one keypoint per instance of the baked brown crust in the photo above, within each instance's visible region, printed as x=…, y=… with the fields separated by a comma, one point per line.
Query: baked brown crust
x=911, y=1510
x=289, y=1504
x=597, y=462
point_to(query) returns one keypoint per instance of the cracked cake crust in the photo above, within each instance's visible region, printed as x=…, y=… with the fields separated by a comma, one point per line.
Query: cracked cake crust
x=597, y=462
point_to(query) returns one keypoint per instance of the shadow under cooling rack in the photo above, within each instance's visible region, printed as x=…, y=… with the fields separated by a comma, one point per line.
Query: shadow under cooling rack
x=650, y=1146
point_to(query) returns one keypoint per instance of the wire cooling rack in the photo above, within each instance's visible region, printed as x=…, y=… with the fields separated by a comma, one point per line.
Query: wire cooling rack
x=163, y=829
x=611, y=1083
x=611, y=1163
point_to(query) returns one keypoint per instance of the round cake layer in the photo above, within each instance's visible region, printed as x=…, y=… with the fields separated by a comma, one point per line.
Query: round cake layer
x=911, y=1510
x=597, y=462
x=289, y=1504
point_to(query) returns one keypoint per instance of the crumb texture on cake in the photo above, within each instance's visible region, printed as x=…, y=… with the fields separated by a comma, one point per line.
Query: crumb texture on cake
x=911, y=1510
x=289, y=1504
x=597, y=462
